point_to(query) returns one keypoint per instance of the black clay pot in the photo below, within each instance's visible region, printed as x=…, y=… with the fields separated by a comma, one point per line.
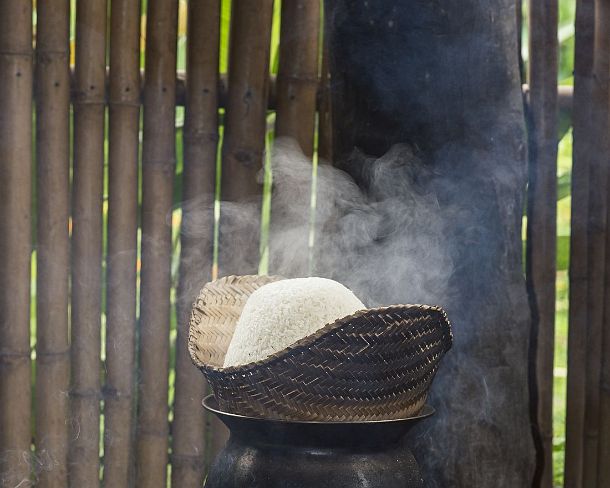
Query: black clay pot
x=265, y=453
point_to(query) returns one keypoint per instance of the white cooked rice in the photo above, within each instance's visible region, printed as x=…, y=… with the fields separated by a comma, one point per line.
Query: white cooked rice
x=280, y=313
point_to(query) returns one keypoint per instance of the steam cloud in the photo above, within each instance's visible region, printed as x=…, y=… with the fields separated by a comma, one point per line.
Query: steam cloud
x=416, y=232
x=370, y=238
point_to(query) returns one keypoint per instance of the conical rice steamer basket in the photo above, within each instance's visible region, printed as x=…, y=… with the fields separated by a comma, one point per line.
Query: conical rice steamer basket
x=376, y=364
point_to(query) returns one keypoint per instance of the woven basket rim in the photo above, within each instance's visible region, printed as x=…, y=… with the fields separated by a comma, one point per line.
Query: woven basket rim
x=426, y=411
x=325, y=331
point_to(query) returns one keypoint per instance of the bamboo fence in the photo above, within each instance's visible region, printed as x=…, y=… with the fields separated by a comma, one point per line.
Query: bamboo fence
x=123, y=139
x=60, y=445
x=542, y=218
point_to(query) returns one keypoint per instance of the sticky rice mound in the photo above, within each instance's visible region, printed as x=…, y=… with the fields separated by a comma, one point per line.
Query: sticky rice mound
x=280, y=313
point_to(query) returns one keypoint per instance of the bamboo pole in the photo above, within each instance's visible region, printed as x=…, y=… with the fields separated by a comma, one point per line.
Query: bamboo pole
x=578, y=316
x=87, y=241
x=297, y=80
x=541, y=220
x=197, y=234
x=53, y=249
x=158, y=164
x=564, y=92
x=325, y=123
x=297, y=85
x=124, y=121
x=244, y=137
x=519, y=13
x=15, y=247
x=596, y=237
x=603, y=471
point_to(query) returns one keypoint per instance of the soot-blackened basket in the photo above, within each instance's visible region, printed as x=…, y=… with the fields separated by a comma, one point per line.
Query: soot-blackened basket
x=376, y=364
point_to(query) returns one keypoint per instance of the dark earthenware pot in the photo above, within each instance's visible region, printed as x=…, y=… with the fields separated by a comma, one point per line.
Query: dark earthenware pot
x=265, y=453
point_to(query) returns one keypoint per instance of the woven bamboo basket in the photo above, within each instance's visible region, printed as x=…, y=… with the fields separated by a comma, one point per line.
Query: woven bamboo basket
x=376, y=364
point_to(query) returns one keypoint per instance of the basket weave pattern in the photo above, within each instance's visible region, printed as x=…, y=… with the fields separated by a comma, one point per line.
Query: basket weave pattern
x=373, y=365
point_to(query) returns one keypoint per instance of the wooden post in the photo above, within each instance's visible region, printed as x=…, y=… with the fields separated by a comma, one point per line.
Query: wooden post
x=603, y=467
x=596, y=236
x=15, y=246
x=88, y=179
x=577, y=344
x=197, y=234
x=541, y=222
x=124, y=125
x=53, y=244
x=244, y=136
x=158, y=165
x=587, y=252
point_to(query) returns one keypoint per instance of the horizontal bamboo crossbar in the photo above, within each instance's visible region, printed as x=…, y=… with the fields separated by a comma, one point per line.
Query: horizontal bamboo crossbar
x=564, y=92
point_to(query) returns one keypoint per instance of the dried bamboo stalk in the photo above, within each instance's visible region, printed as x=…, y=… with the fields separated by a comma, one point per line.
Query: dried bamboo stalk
x=197, y=234
x=519, y=13
x=158, y=164
x=244, y=136
x=596, y=236
x=124, y=120
x=297, y=80
x=87, y=241
x=325, y=138
x=15, y=194
x=578, y=316
x=603, y=468
x=297, y=85
x=53, y=248
x=541, y=219
x=564, y=91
